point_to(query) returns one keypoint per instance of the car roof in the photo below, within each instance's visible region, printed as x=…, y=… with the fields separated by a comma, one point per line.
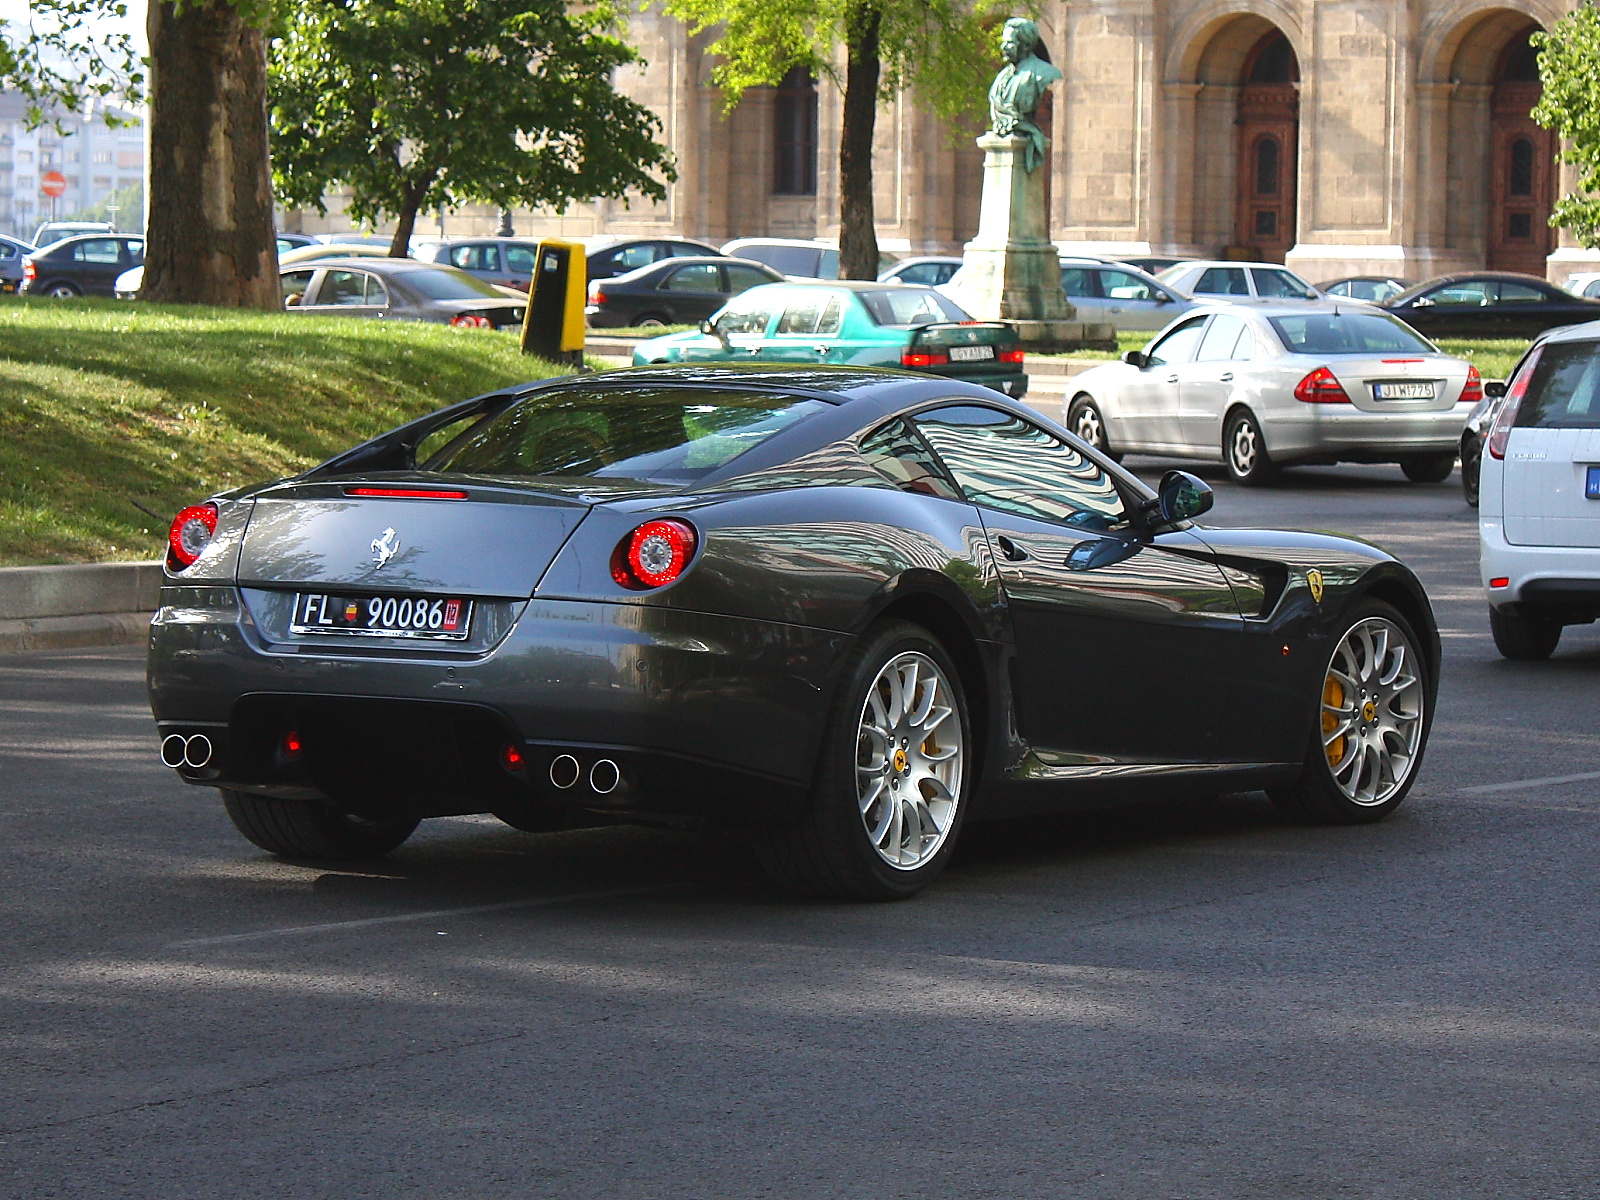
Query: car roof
x=807, y=243
x=927, y=258
x=850, y=285
x=610, y=241
x=1286, y=308
x=85, y=237
x=379, y=263
x=1223, y=262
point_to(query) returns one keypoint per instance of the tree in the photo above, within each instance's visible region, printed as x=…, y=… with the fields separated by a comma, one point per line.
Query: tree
x=1569, y=67
x=63, y=59
x=942, y=48
x=129, y=209
x=422, y=104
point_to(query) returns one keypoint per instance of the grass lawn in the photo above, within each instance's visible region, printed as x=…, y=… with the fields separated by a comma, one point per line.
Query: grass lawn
x=637, y=332
x=107, y=406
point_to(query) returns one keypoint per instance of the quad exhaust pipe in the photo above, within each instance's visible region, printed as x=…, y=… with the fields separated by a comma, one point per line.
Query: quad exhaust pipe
x=605, y=776
x=193, y=751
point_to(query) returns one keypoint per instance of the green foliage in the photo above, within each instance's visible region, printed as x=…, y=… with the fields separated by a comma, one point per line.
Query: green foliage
x=1569, y=66
x=946, y=49
x=422, y=104
x=106, y=406
x=63, y=59
x=130, y=209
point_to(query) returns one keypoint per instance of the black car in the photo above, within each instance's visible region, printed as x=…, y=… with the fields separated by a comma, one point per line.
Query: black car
x=81, y=266
x=678, y=291
x=506, y=261
x=611, y=256
x=841, y=610
x=397, y=289
x=1488, y=304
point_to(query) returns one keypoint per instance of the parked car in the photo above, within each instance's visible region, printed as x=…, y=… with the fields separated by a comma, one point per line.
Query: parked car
x=1479, y=422
x=853, y=322
x=846, y=612
x=1237, y=281
x=1539, y=497
x=611, y=256
x=51, y=232
x=506, y=261
x=129, y=282
x=319, y=250
x=1120, y=295
x=1365, y=287
x=352, y=239
x=1489, y=304
x=80, y=266
x=929, y=271
x=1584, y=283
x=797, y=258
x=12, y=252
x=1261, y=388
x=1153, y=264
x=677, y=291
x=293, y=241
x=397, y=289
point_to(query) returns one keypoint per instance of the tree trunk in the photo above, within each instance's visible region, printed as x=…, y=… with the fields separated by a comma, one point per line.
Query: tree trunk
x=210, y=238
x=858, y=234
x=400, y=244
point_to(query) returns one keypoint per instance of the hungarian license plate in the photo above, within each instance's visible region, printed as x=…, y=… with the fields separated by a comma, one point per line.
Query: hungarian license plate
x=971, y=353
x=1591, y=485
x=444, y=618
x=1403, y=391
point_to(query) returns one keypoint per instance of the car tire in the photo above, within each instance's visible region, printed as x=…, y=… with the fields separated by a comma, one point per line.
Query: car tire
x=1244, y=450
x=1429, y=468
x=307, y=829
x=62, y=291
x=1523, y=638
x=1471, y=469
x=1388, y=722
x=650, y=321
x=1085, y=419
x=853, y=841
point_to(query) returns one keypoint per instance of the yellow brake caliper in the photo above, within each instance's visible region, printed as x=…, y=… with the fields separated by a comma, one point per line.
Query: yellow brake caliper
x=1333, y=697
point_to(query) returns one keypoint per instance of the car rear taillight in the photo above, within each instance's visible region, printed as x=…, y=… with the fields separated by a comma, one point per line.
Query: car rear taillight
x=471, y=321
x=30, y=269
x=191, y=530
x=1013, y=354
x=1472, y=390
x=1507, y=416
x=654, y=554
x=924, y=358
x=1322, y=386
x=599, y=296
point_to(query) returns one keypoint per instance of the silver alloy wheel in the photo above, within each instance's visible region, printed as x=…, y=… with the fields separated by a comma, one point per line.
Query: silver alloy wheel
x=651, y=323
x=1372, y=710
x=1087, y=426
x=63, y=291
x=1242, y=447
x=909, y=759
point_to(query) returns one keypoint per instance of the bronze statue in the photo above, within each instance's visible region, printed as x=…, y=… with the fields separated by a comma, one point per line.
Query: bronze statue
x=1015, y=94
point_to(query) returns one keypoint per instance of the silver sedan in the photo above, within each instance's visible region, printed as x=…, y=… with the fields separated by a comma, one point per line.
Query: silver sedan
x=1259, y=388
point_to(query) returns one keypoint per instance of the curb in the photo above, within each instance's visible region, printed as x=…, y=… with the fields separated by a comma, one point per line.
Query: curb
x=86, y=604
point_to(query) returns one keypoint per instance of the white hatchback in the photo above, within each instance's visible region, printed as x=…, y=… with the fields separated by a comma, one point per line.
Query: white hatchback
x=1258, y=388
x=1539, y=496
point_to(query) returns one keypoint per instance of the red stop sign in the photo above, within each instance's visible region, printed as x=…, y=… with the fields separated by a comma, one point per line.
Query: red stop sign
x=53, y=183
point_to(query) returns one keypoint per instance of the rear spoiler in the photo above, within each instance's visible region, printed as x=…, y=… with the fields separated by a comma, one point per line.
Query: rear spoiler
x=965, y=333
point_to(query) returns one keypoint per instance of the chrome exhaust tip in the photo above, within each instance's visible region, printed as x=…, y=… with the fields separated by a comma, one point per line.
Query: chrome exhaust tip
x=197, y=751
x=172, y=748
x=604, y=777
x=564, y=771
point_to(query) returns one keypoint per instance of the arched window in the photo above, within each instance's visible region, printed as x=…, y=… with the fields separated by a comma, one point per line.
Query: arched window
x=1521, y=181
x=1267, y=166
x=795, y=135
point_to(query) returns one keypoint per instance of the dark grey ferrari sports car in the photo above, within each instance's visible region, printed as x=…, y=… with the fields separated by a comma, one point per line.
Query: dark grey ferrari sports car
x=844, y=611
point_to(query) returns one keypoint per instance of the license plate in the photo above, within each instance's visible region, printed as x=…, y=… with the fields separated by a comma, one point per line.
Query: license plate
x=971, y=353
x=440, y=618
x=1402, y=391
x=1591, y=485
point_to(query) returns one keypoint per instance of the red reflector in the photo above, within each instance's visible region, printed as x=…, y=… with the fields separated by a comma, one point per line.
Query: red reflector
x=653, y=555
x=599, y=296
x=919, y=359
x=511, y=758
x=1402, y=360
x=407, y=493
x=292, y=746
x=1500, y=583
x=1322, y=386
x=1013, y=356
x=1472, y=390
x=191, y=531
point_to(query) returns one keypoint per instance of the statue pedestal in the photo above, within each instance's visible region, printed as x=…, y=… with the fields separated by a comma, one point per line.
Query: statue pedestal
x=1010, y=270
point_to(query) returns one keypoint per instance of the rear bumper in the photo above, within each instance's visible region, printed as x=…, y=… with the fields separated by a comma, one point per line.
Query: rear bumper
x=1007, y=383
x=1555, y=581
x=1344, y=431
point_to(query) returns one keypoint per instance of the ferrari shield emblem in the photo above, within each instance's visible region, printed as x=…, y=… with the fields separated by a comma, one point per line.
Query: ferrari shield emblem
x=1314, y=579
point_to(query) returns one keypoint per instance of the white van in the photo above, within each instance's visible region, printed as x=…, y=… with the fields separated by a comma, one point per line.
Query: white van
x=1539, y=496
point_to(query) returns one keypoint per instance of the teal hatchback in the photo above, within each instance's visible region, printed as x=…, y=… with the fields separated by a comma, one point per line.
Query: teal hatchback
x=856, y=324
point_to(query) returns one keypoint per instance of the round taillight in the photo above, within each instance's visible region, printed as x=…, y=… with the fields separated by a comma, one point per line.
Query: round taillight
x=191, y=530
x=293, y=747
x=471, y=321
x=511, y=758
x=654, y=554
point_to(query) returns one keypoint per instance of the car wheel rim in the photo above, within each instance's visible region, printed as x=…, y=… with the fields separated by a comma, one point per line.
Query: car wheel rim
x=1242, y=448
x=1088, y=426
x=651, y=323
x=1372, y=708
x=909, y=761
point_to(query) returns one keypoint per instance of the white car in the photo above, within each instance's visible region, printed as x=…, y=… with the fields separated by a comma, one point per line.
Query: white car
x=1585, y=284
x=1539, y=496
x=1238, y=282
x=1262, y=387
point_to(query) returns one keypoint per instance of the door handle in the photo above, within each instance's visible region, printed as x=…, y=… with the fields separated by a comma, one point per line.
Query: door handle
x=1012, y=551
x=1172, y=379
x=819, y=348
x=1227, y=377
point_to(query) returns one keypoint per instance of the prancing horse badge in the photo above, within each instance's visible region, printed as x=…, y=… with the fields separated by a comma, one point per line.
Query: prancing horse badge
x=1314, y=579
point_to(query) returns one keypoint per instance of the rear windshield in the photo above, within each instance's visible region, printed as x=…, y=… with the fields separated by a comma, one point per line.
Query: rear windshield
x=1564, y=392
x=446, y=283
x=911, y=306
x=1348, y=333
x=653, y=435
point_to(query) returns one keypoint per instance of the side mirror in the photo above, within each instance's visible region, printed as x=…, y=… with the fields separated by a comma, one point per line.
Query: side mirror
x=708, y=327
x=1494, y=388
x=1181, y=497
x=1134, y=358
x=1094, y=553
x=1163, y=298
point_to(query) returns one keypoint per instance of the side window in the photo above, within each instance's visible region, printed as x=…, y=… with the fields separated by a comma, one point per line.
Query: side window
x=1119, y=285
x=1220, y=338
x=701, y=278
x=631, y=258
x=1077, y=281
x=343, y=287
x=377, y=293
x=828, y=264
x=519, y=259
x=832, y=318
x=742, y=278
x=900, y=456
x=1223, y=281
x=1519, y=293
x=107, y=251
x=1278, y=283
x=803, y=313
x=7, y=250
x=1340, y=289
x=294, y=286
x=1468, y=292
x=749, y=314
x=685, y=250
x=1593, y=290
x=1004, y=462
x=136, y=250
x=601, y=266
x=476, y=258
x=1179, y=345
x=786, y=260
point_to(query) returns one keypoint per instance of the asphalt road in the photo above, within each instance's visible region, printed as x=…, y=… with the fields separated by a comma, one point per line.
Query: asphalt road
x=1179, y=1001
